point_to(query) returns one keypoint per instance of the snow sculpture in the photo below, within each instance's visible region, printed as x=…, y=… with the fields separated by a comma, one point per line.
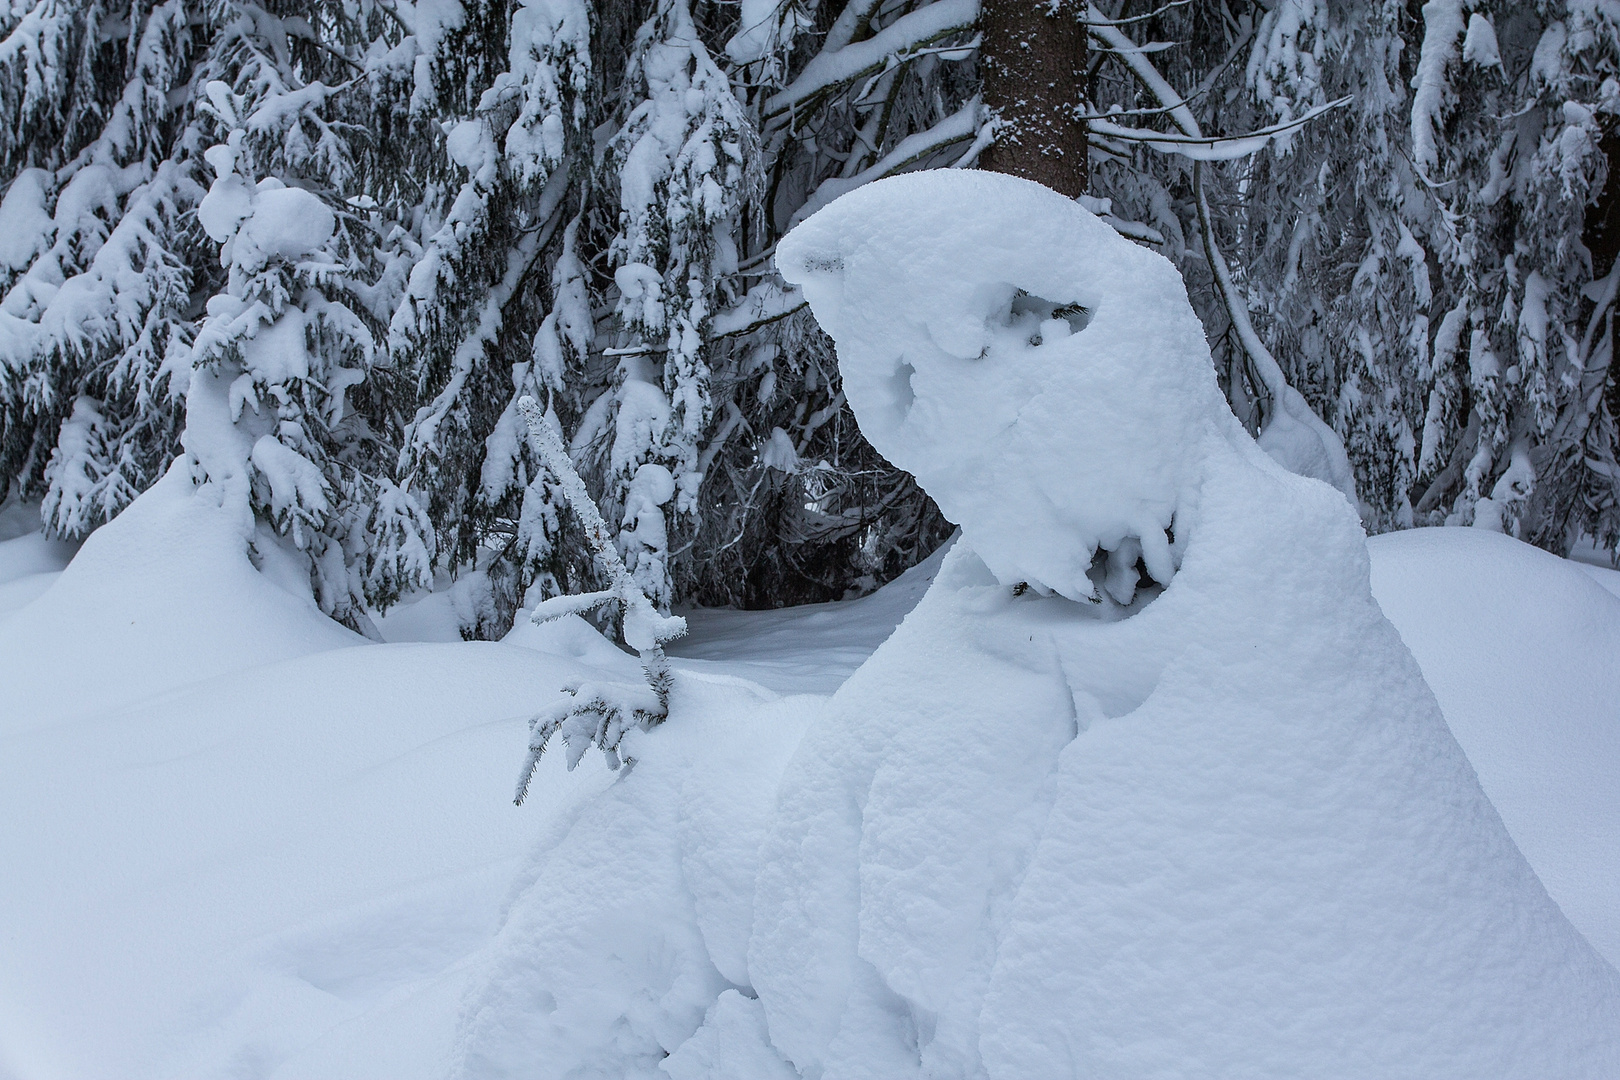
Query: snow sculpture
x=1217, y=827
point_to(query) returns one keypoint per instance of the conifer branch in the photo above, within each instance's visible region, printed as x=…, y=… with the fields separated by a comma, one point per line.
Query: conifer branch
x=598, y=714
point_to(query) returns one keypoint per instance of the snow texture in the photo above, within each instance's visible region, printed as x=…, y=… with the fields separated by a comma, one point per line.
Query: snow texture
x=140, y=599
x=301, y=869
x=943, y=307
x=1519, y=647
x=1229, y=832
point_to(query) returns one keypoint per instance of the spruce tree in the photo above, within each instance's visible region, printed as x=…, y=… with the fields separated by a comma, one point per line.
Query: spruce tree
x=1390, y=217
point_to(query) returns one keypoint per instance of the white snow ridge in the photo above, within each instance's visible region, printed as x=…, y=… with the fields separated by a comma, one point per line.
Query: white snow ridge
x=1183, y=809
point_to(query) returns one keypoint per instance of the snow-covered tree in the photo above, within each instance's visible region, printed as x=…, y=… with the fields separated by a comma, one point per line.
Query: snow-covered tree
x=495, y=308
x=95, y=257
x=603, y=246
x=1389, y=216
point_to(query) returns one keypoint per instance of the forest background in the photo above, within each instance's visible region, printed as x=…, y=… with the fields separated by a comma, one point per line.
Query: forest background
x=314, y=252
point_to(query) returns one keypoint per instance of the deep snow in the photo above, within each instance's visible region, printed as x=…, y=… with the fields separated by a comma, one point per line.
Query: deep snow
x=295, y=869
x=1187, y=810
x=1219, y=831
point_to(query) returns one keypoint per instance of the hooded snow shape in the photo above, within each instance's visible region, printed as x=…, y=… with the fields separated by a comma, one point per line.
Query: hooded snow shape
x=1228, y=835
x=1050, y=405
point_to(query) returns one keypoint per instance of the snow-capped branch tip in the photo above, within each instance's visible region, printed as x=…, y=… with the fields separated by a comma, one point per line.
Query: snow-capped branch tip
x=597, y=714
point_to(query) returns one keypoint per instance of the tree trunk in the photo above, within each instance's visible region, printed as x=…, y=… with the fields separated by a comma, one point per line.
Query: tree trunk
x=1032, y=61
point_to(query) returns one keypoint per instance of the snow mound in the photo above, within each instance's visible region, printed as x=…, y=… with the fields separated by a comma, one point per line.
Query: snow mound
x=1520, y=648
x=1052, y=405
x=164, y=594
x=29, y=562
x=1229, y=834
x=633, y=933
x=279, y=872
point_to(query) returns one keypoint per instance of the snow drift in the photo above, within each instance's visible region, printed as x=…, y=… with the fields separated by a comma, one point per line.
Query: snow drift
x=164, y=594
x=1520, y=648
x=1145, y=786
x=1226, y=834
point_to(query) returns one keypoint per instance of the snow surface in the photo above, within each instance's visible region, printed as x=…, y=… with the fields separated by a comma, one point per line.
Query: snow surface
x=198, y=917
x=1216, y=827
x=143, y=599
x=1223, y=829
x=1534, y=700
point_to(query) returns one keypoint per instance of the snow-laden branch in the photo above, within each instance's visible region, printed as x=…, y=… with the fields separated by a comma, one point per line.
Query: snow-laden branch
x=854, y=18
x=764, y=303
x=598, y=714
x=835, y=68
x=422, y=432
x=1442, y=26
x=1207, y=147
x=1112, y=37
x=1092, y=18
x=1294, y=434
x=961, y=126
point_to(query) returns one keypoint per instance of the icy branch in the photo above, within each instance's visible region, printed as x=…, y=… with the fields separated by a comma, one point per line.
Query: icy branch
x=597, y=713
x=560, y=607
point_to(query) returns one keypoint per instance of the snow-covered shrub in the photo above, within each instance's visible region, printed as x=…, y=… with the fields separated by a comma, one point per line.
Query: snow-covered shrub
x=272, y=423
x=597, y=714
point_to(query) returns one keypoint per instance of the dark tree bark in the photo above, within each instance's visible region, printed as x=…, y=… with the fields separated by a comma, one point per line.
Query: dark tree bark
x=1032, y=61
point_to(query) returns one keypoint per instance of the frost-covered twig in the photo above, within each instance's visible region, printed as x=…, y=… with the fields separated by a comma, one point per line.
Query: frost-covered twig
x=597, y=713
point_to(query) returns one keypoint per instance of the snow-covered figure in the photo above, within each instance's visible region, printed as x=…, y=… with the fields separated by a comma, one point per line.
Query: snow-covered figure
x=1062, y=826
x=1146, y=786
